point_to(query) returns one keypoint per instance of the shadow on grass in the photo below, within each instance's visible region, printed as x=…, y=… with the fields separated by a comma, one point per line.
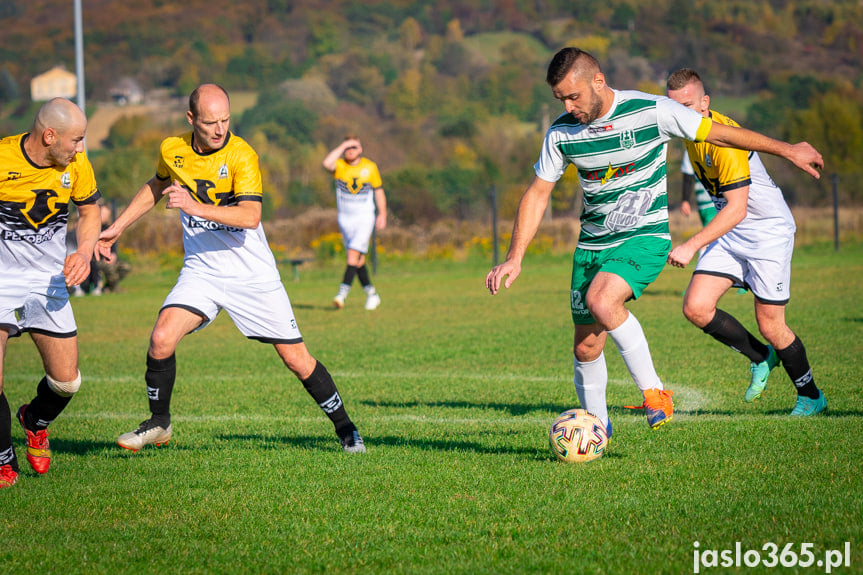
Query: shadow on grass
x=510, y=408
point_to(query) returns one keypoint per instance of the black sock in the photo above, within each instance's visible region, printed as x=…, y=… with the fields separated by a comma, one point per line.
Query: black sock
x=322, y=388
x=797, y=366
x=45, y=407
x=7, y=451
x=363, y=276
x=160, y=377
x=726, y=329
x=350, y=272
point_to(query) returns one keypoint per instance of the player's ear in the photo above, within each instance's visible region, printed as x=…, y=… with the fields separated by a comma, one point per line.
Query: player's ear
x=190, y=117
x=49, y=136
x=705, y=102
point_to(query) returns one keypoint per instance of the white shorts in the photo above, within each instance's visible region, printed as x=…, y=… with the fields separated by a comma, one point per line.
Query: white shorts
x=764, y=267
x=260, y=311
x=40, y=309
x=357, y=231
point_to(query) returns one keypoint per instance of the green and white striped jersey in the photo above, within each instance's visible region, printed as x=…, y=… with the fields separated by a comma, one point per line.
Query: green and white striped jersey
x=621, y=164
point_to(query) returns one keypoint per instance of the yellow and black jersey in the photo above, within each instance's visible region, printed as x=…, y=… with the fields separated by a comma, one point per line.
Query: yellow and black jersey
x=719, y=169
x=722, y=170
x=34, y=209
x=220, y=177
x=355, y=186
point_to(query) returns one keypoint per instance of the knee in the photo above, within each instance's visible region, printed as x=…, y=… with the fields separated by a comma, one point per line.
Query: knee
x=161, y=343
x=64, y=388
x=698, y=313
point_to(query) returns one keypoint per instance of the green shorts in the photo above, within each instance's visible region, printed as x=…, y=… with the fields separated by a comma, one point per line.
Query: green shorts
x=638, y=261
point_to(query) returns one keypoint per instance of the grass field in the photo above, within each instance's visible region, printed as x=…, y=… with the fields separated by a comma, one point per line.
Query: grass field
x=454, y=391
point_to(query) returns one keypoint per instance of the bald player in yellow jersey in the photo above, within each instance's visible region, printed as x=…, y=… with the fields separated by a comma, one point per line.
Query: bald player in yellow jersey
x=211, y=177
x=41, y=173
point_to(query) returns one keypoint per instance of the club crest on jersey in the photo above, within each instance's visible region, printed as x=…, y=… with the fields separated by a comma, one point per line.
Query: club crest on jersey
x=627, y=139
x=13, y=175
x=179, y=161
x=66, y=180
x=223, y=172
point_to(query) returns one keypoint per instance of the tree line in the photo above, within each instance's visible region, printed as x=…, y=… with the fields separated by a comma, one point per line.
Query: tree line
x=449, y=97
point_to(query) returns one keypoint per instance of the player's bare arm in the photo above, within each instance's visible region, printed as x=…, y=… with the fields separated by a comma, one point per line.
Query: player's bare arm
x=802, y=154
x=531, y=210
x=245, y=214
x=147, y=196
x=381, y=204
x=329, y=161
x=76, y=267
x=725, y=220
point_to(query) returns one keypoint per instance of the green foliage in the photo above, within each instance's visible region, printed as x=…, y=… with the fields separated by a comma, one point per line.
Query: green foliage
x=284, y=122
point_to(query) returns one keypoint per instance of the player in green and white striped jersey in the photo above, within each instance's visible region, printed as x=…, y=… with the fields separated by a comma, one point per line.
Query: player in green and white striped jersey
x=617, y=141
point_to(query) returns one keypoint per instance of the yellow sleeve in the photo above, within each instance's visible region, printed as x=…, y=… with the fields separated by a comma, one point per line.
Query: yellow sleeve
x=703, y=129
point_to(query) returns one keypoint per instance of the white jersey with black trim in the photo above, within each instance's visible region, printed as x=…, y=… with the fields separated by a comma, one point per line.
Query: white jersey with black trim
x=222, y=177
x=621, y=164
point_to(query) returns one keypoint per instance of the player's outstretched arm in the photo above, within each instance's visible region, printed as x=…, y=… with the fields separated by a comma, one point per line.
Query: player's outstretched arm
x=148, y=196
x=531, y=210
x=802, y=154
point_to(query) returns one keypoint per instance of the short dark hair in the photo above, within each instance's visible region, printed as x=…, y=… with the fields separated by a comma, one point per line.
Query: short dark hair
x=195, y=96
x=565, y=60
x=679, y=79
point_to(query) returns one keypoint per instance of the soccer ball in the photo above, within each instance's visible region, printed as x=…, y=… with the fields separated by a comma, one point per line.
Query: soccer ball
x=577, y=436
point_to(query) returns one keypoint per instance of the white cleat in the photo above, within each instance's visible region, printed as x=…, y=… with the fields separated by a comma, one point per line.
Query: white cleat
x=146, y=434
x=373, y=301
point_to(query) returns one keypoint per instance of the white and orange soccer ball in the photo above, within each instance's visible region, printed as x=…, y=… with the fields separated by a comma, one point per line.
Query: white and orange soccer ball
x=577, y=436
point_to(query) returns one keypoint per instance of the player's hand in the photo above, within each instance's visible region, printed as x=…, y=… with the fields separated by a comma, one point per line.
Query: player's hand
x=106, y=241
x=681, y=255
x=179, y=198
x=380, y=221
x=76, y=268
x=807, y=158
x=508, y=269
x=685, y=208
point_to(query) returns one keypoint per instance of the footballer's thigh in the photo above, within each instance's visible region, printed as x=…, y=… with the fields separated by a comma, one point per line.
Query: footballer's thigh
x=172, y=325
x=59, y=355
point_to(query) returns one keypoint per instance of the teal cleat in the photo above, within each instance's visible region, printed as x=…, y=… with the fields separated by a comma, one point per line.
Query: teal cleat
x=760, y=373
x=806, y=406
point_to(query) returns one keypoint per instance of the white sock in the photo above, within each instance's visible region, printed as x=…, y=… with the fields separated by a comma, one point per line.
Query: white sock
x=630, y=341
x=591, y=379
x=370, y=290
x=344, y=289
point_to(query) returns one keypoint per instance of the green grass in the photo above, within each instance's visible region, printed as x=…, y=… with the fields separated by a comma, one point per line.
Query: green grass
x=454, y=391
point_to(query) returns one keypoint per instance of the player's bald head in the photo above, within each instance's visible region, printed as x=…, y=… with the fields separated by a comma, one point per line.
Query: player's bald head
x=59, y=114
x=569, y=60
x=206, y=92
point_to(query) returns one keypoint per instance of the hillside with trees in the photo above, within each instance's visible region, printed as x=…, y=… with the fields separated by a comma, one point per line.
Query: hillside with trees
x=448, y=96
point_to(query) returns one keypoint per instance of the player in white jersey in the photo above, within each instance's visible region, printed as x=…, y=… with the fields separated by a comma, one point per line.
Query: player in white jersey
x=212, y=178
x=41, y=172
x=749, y=244
x=617, y=141
x=362, y=208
